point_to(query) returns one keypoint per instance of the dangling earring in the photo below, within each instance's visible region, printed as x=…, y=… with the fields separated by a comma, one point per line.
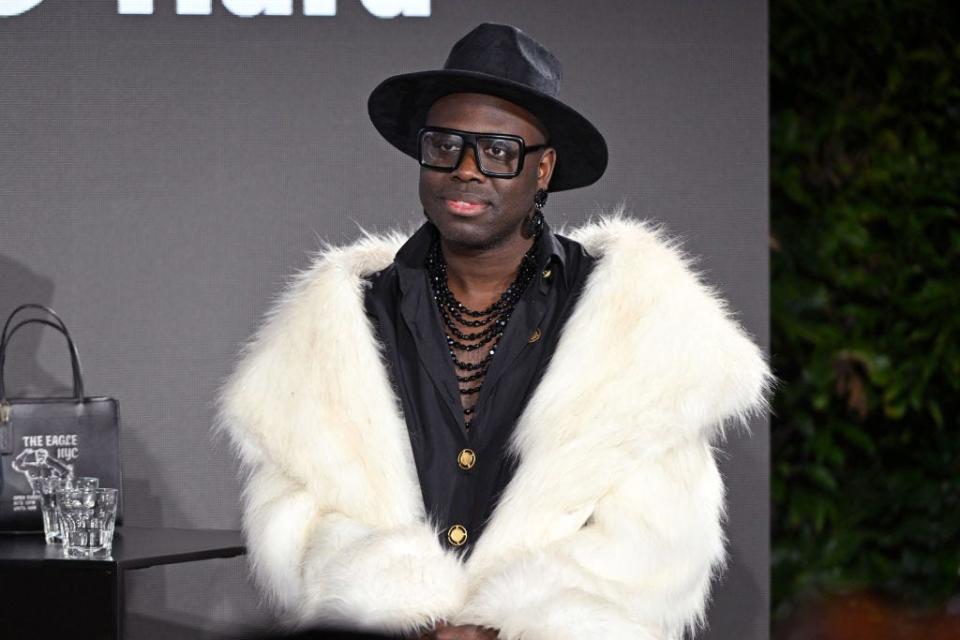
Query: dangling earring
x=535, y=226
x=540, y=199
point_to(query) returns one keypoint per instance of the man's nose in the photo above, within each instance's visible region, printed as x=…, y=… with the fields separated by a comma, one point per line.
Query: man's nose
x=468, y=169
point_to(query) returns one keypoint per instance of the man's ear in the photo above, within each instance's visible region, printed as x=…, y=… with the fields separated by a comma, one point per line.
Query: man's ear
x=548, y=160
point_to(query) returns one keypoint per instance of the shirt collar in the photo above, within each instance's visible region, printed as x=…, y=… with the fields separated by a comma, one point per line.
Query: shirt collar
x=411, y=259
x=551, y=256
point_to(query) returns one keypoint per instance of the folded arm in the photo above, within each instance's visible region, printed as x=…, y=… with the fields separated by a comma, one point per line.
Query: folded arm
x=324, y=568
x=639, y=568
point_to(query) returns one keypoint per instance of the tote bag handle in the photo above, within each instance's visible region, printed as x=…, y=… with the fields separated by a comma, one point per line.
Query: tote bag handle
x=30, y=305
x=59, y=325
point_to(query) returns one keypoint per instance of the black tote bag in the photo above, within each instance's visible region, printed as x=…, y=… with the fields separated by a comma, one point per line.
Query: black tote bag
x=71, y=437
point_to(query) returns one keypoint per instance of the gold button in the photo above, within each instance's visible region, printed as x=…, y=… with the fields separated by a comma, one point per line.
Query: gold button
x=457, y=535
x=467, y=459
x=546, y=274
x=535, y=336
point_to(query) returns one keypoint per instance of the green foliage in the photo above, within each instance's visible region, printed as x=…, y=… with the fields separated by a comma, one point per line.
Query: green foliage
x=865, y=201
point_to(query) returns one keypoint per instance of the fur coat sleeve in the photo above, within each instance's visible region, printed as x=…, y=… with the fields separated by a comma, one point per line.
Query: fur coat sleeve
x=332, y=512
x=611, y=526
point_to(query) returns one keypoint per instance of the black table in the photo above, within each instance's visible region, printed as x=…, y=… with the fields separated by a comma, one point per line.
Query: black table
x=43, y=594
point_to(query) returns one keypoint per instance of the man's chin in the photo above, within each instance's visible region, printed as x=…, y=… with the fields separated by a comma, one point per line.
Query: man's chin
x=472, y=233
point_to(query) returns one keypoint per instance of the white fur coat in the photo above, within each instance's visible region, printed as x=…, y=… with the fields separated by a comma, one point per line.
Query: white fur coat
x=611, y=527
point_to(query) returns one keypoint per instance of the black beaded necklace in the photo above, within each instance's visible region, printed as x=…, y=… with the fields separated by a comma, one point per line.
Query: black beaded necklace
x=490, y=322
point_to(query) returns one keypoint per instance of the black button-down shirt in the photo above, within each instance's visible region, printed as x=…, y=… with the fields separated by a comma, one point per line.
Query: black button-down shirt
x=461, y=487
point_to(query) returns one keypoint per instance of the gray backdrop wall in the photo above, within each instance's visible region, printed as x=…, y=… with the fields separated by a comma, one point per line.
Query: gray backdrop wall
x=161, y=175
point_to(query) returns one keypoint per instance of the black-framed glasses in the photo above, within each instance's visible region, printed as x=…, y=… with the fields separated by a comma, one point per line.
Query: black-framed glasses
x=498, y=155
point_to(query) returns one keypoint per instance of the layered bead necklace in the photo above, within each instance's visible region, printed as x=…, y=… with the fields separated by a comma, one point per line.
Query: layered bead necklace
x=468, y=331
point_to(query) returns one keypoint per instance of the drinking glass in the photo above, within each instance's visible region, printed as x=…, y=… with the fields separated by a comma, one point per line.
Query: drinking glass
x=48, y=487
x=87, y=518
x=84, y=482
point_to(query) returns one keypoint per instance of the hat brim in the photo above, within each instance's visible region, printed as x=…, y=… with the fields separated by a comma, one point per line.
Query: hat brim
x=398, y=108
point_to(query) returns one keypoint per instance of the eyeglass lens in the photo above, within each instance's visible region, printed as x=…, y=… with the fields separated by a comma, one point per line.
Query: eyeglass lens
x=443, y=150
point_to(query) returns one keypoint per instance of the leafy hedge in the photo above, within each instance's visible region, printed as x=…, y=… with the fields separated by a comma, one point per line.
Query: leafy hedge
x=865, y=259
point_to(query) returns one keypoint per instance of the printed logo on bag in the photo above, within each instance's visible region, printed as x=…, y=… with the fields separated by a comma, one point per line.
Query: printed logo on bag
x=36, y=461
x=248, y=8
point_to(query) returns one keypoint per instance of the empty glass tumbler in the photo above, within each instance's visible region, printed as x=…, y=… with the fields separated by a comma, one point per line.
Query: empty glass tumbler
x=47, y=488
x=84, y=482
x=87, y=518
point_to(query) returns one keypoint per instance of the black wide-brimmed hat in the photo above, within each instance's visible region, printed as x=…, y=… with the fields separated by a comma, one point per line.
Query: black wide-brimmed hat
x=503, y=61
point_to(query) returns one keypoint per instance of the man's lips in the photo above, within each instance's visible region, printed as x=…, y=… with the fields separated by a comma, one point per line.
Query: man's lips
x=462, y=206
x=463, y=203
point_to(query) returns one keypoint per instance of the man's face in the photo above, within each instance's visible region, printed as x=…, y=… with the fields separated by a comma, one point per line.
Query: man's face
x=473, y=210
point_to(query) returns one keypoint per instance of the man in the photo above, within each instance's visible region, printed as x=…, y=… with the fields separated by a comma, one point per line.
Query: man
x=489, y=430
